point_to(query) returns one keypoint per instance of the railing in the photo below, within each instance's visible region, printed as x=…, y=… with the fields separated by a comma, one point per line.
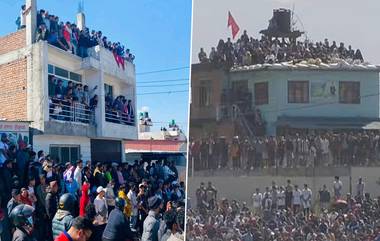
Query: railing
x=63, y=110
x=120, y=118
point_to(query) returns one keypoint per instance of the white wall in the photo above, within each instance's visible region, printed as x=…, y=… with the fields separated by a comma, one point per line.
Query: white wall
x=242, y=187
x=43, y=142
x=278, y=93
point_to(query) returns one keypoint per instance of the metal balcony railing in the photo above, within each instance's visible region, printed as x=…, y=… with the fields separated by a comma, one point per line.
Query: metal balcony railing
x=120, y=118
x=63, y=110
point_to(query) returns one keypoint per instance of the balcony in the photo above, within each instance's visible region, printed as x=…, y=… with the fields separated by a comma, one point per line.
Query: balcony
x=120, y=118
x=102, y=58
x=62, y=110
x=67, y=118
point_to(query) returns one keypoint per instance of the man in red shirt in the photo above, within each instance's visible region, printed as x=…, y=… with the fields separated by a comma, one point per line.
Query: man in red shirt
x=81, y=230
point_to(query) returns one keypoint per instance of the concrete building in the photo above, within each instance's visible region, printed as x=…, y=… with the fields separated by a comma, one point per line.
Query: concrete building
x=28, y=70
x=301, y=96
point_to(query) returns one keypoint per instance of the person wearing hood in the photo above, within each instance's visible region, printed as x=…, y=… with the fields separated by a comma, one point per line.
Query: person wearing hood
x=84, y=199
x=64, y=216
x=152, y=223
x=117, y=228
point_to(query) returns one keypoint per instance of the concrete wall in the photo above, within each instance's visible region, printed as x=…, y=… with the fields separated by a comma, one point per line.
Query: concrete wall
x=278, y=94
x=43, y=142
x=242, y=187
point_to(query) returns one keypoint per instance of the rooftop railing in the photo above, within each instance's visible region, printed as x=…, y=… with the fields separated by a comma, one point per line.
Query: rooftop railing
x=120, y=118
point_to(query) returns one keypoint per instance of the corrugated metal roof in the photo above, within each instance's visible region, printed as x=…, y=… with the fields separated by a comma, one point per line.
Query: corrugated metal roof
x=155, y=146
x=309, y=65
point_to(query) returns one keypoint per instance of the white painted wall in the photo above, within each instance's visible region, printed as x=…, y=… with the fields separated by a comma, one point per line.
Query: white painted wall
x=242, y=187
x=43, y=142
x=278, y=93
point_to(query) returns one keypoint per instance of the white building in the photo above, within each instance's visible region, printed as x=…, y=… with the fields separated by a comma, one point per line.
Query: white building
x=75, y=132
x=307, y=96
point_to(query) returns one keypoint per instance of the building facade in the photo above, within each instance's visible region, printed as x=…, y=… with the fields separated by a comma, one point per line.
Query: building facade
x=29, y=73
x=286, y=96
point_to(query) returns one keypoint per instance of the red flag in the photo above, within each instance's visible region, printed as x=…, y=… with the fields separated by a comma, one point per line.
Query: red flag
x=234, y=27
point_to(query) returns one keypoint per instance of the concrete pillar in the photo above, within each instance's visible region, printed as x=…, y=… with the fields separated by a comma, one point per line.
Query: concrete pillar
x=81, y=21
x=100, y=110
x=31, y=21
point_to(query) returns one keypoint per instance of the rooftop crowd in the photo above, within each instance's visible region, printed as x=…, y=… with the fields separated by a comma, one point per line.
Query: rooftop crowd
x=67, y=36
x=43, y=199
x=345, y=148
x=286, y=213
x=251, y=51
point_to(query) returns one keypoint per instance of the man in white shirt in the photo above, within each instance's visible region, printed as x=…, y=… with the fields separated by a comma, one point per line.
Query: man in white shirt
x=306, y=200
x=133, y=199
x=23, y=14
x=281, y=198
x=338, y=186
x=78, y=174
x=3, y=149
x=325, y=146
x=257, y=199
x=360, y=188
x=296, y=199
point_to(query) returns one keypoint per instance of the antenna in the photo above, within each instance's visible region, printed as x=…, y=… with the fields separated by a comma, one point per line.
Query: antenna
x=293, y=23
x=81, y=6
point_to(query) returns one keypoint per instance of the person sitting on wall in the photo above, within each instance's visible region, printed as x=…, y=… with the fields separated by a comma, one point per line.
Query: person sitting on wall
x=42, y=33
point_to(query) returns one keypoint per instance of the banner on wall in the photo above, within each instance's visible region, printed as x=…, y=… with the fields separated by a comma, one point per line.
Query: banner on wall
x=17, y=133
x=324, y=91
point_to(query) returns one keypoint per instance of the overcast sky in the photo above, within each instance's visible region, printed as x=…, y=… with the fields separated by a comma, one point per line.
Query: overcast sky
x=350, y=21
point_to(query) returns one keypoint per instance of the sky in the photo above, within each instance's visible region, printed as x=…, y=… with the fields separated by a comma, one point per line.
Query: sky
x=349, y=21
x=158, y=34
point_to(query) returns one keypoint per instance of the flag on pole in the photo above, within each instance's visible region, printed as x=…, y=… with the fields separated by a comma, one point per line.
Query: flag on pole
x=234, y=27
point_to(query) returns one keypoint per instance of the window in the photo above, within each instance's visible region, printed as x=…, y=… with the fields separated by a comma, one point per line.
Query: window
x=261, y=93
x=75, y=77
x=349, y=92
x=108, y=90
x=50, y=69
x=240, y=86
x=61, y=72
x=65, y=153
x=298, y=91
x=204, y=96
x=64, y=74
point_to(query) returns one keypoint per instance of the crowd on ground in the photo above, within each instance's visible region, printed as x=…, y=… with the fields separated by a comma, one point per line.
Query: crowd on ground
x=286, y=213
x=343, y=148
x=251, y=51
x=43, y=199
x=119, y=110
x=69, y=37
x=75, y=102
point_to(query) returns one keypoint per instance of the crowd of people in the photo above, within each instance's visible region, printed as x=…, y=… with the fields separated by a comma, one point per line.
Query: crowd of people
x=73, y=102
x=69, y=37
x=119, y=110
x=359, y=148
x=251, y=51
x=42, y=199
x=286, y=213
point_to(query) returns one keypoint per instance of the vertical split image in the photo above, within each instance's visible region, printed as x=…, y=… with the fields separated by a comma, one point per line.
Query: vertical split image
x=284, y=121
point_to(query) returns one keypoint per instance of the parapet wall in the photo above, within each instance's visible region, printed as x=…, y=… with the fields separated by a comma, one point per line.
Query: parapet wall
x=13, y=41
x=241, y=187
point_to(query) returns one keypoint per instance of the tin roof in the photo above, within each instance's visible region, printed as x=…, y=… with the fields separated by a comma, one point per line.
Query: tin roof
x=310, y=65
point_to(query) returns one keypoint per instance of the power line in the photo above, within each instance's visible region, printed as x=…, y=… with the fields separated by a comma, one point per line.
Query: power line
x=164, y=92
x=148, y=86
x=162, y=70
x=160, y=81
